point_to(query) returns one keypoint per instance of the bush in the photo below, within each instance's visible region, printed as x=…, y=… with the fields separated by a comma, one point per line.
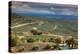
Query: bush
x=14, y=40
x=30, y=40
x=47, y=47
x=51, y=40
x=21, y=50
x=35, y=48
x=57, y=40
x=36, y=32
x=51, y=47
x=56, y=47
x=13, y=43
x=44, y=41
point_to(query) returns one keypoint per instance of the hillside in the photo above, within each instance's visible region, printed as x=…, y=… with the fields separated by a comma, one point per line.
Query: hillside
x=55, y=26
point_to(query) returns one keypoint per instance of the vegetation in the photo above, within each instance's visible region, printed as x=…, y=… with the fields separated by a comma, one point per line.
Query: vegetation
x=34, y=48
x=58, y=40
x=30, y=40
x=62, y=26
x=51, y=40
x=34, y=31
x=47, y=47
x=43, y=35
x=71, y=43
x=15, y=40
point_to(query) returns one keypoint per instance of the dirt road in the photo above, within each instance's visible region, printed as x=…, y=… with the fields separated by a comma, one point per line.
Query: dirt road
x=20, y=25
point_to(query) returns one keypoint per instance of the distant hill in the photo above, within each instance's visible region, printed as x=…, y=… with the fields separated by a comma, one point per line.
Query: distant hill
x=50, y=16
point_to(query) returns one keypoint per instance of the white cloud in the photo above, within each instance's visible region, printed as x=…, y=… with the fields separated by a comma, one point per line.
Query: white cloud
x=67, y=13
x=52, y=8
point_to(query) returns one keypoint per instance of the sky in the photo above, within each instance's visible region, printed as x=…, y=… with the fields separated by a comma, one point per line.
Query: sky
x=44, y=8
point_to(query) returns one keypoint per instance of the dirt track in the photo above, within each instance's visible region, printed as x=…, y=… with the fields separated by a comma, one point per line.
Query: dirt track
x=20, y=25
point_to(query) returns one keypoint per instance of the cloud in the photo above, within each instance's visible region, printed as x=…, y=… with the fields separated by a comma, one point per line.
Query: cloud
x=24, y=10
x=20, y=4
x=43, y=11
x=67, y=12
x=21, y=7
x=63, y=11
x=52, y=8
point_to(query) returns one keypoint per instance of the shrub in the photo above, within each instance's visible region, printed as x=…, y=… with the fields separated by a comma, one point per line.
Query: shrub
x=30, y=40
x=57, y=40
x=36, y=32
x=35, y=48
x=51, y=40
x=43, y=40
x=47, y=47
x=57, y=47
x=52, y=48
x=14, y=40
x=20, y=50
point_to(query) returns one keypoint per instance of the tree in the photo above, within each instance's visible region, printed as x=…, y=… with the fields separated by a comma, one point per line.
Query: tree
x=15, y=40
x=71, y=42
x=35, y=31
x=57, y=40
